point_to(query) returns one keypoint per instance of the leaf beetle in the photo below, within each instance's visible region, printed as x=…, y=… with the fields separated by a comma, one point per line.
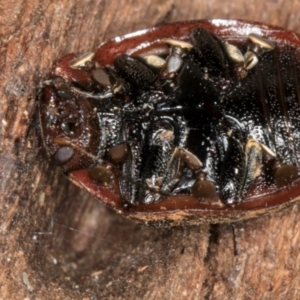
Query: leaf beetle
x=183, y=123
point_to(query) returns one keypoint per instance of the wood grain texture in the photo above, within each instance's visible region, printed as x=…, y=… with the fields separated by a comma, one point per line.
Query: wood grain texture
x=58, y=243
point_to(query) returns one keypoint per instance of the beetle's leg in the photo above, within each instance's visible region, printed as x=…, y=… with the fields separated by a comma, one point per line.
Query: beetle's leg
x=209, y=49
x=259, y=44
x=127, y=154
x=162, y=138
x=282, y=174
x=130, y=177
x=184, y=172
x=173, y=174
x=256, y=47
x=194, y=86
x=135, y=71
x=184, y=166
x=174, y=61
x=285, y=174
x=203, y=188
x=164, y=135
x=233, y=164
x=88, y=80
x=82, y=77
x=242, y=165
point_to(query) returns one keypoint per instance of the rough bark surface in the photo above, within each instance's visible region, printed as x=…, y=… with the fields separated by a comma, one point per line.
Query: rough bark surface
x=56, y=242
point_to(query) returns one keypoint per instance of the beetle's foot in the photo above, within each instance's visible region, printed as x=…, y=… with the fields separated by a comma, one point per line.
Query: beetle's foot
x=203, y=189
x=152, y=198
x=285, y=175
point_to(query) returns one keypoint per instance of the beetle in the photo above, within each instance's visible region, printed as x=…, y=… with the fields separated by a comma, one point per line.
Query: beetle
x=183, y=123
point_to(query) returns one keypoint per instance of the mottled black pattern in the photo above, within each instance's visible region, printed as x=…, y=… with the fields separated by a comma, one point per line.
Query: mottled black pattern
x=212, y=113
x=205, y=122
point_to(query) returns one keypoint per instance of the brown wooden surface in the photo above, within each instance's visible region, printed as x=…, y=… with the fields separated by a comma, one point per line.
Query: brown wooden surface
x=58, y=243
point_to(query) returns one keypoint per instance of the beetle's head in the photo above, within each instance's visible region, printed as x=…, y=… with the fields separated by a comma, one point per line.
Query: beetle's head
x=69, y=121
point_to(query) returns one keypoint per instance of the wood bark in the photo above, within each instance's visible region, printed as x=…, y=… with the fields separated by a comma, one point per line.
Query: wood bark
x=56, y=241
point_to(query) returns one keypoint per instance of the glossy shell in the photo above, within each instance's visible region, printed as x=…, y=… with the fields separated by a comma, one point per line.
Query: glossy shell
x=79, y=155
